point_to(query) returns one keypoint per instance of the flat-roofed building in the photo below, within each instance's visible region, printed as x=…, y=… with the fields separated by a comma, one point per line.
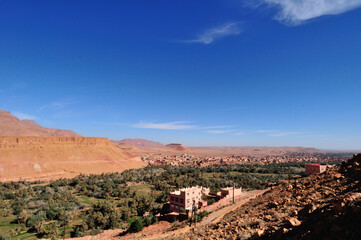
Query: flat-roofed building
x=315, y=168
x=187, y=198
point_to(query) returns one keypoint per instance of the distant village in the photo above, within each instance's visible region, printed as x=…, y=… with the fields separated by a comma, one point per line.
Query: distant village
x=204, y=161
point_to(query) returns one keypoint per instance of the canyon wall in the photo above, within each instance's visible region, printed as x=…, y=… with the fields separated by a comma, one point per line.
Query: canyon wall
x=46, y=158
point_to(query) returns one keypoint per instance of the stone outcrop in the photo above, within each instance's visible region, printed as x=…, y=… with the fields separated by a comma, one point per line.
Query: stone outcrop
x=176, y=146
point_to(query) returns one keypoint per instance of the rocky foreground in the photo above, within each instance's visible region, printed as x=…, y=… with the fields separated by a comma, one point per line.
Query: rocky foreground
x=326, y=206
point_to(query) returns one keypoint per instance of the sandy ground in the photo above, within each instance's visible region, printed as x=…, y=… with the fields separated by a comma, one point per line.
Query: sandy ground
x=116, y=233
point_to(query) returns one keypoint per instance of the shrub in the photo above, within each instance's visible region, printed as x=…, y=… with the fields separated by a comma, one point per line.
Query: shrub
x=9, y=195
x=136, y=226
x=78, y=231
x=147, y=221
x=4, y=237
x=210, y=201
x=154, y=220
x=175, y=225
x=34, y=222
x=17, y=209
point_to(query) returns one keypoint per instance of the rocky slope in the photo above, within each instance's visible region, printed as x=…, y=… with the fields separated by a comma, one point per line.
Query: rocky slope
x=325, y=206
x=12, y=126
x=45, y=158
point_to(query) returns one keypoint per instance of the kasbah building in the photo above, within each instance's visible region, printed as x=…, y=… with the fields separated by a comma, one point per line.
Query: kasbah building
x=187, y=199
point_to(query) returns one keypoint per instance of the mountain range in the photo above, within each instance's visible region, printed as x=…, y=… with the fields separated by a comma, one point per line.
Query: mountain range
x=12, y=126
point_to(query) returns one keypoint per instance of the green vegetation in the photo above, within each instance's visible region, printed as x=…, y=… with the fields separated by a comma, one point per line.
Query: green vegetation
x=136, y=225
x=130, y=200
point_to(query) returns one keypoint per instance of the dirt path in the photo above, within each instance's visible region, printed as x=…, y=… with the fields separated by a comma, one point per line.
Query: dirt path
x=217, y=215
x=211, y=218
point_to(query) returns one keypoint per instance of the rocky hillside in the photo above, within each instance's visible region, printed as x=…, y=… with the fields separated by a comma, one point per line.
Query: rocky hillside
x=325, y=206
x=46, y=158
x=12, y=126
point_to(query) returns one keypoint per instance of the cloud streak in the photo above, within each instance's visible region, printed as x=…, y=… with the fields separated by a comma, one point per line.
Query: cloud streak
x=240, y=133
x=218, y=131
x=23, y=116
x=210, y=35
x=265, y=131
x=295, y=12
x=281, y=134
x=179, y=125
x=57, y=105
x=217, y=127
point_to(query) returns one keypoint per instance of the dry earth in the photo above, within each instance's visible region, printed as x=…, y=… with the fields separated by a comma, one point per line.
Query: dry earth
x=47, y=158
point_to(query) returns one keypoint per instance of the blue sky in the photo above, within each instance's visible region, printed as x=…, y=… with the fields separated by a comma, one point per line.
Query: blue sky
x=198, y=72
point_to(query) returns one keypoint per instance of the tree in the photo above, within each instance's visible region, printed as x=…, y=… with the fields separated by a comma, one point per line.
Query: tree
x=79, y=231
x=22, y=217
x=50, y=231
x=4, y=237
x=35, y=222
x=17, y=209
x=64, y=220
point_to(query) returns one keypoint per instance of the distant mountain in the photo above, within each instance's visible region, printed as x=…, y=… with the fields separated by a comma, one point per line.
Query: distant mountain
x=12, y=126
x=139, y=143
x=177, y=146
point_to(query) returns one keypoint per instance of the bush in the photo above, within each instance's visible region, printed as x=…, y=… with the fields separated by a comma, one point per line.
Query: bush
x=147, y=221
x=4, y=237
x=154, y=220
x=9, y=195
x=210, y=201
x=17, y=209
x=136, y=226
x=34, y=221
x=175, y=225
x=78, y=231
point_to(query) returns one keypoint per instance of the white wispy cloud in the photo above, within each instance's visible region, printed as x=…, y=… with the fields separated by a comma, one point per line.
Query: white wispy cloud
x=266, y=131
x=179, y=125
x=213, y=34
x=218, y=131
x=23, y=116
x=281, y=134
x=240, y=133
x=56, y=105
x=295, y=12
x=217, y=127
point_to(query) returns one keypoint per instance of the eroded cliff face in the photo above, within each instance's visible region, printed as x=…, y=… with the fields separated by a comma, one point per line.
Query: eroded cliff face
x=46, y=158
x=29, y=141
